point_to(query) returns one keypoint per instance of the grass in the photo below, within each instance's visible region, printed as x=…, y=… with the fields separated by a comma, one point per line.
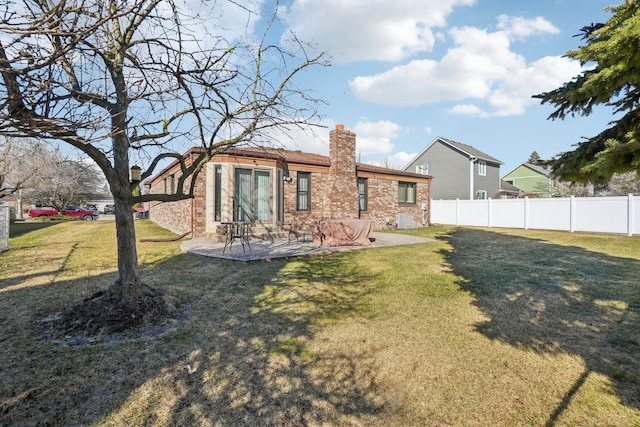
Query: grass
x=480, y=327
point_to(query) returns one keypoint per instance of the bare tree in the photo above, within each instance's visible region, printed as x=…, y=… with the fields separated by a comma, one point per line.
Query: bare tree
x=15, y=174
x=60, y=181
x=120, y=79
x=622, y=184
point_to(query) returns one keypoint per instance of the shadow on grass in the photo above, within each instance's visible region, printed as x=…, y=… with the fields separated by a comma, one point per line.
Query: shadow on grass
x=255, y=332
x=19, y=228
x=241, y=357
x=555, y=299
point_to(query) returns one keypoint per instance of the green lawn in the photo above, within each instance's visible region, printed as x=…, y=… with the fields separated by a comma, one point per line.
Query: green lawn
x=480, y=327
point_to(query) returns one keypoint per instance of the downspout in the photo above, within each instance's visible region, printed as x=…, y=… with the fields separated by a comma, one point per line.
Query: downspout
x=429, y=198
x=472, y=160
x=191, y=203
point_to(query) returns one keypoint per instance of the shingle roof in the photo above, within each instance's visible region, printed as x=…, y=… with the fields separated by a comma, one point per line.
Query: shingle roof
x=471, y=151
x=507, y=186
x=294, y=156
x=314, y=159
x=537, y=168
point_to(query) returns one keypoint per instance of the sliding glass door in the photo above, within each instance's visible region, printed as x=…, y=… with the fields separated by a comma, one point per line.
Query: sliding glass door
x=252, y=201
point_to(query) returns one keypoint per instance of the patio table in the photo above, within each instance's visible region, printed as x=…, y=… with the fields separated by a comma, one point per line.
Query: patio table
x=343, y=232
x=236, y=230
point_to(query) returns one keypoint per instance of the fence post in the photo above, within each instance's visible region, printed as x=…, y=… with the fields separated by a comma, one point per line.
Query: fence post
x=630, y=214
x=572, y=214
x=526, y=213
x=489, y=211
x=457, y=211
x=5, y=219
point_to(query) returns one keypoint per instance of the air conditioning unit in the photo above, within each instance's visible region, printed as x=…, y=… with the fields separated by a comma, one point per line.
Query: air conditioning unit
x=404, y=222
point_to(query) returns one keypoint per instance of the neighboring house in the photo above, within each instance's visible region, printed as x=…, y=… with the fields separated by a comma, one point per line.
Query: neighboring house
x=508, y=191
x=532, y=180
x=269, y=187
x=459, y=171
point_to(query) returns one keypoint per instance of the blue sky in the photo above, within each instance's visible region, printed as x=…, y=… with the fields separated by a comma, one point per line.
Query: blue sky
x=407, y=71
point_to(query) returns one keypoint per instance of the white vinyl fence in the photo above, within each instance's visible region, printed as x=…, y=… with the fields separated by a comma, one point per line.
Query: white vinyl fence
x=620, y=215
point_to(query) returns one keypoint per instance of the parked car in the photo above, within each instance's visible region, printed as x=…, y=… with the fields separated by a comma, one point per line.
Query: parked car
x=91, y=207
x=86, y=214
x=109, y=209
x=42, y=210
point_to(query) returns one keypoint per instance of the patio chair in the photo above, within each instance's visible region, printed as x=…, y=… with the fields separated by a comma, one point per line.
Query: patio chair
x=296, y=230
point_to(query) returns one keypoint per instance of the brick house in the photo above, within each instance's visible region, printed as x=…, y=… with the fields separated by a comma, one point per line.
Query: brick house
x=270, y=187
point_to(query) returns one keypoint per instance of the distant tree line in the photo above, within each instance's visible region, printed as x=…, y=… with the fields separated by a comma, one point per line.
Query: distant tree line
x=35, y=172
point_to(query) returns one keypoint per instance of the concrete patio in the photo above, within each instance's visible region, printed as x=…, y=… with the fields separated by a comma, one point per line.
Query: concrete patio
x=283, y=248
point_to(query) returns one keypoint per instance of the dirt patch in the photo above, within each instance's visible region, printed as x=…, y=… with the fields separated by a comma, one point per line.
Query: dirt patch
x=105, y=317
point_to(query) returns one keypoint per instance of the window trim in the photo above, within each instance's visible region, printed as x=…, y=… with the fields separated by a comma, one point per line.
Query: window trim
x=483, y=192
x=217, y=189
x=408, y=186
x=482, y=168
x=363, y=198
x=303, y=176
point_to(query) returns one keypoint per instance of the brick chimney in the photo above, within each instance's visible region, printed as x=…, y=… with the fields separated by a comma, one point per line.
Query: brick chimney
x=343, y=182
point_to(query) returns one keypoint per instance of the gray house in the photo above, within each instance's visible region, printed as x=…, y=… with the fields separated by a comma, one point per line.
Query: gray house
x=459, y=171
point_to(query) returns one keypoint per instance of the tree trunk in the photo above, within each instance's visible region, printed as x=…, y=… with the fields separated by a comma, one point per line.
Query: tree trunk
x=128, y=286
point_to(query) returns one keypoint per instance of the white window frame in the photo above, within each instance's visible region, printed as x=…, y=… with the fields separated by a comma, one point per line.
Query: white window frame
x=482, y=193
x=423, y=169
x=482, y=168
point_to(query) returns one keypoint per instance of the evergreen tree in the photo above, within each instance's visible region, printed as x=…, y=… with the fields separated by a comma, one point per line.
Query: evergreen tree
x=534, y=158
x=612, y=79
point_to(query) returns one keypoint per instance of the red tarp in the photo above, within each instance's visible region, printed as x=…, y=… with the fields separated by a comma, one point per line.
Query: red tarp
x=343, y=232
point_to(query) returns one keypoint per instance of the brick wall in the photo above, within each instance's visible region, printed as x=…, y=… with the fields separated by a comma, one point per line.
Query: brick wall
x=320, y=209
x=342, y=190
x=333, y=191
x=382, y=202
x=177, y=216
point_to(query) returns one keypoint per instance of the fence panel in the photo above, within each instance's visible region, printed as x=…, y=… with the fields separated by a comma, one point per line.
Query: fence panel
x=549, y=214
x=473, y=212
x=620, y=215
x=507, y=213
x=607, y=215
x=446, y=212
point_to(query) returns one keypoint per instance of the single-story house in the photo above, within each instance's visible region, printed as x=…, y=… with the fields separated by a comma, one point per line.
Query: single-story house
x=271, y=187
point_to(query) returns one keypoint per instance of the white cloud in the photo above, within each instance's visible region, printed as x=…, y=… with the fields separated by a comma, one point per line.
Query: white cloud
x=374, y=138
x=480, y=66
x=356, y=30
x=400, y=159
x=519, y=27
x=514, y=93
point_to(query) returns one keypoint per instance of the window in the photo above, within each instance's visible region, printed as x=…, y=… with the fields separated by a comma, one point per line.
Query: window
x=407, y=192
x=362, y=194
x=252, y=195
x=481, y=194
x=217, y=196
x=170, y=184
x=304, y=187
x=423, y=169
x=482, y=168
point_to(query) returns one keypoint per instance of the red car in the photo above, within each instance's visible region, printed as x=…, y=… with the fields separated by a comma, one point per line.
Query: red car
x=40, y=210
x=86, y=214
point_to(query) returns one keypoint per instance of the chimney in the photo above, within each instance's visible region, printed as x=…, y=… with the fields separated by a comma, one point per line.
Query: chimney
x=343, y=180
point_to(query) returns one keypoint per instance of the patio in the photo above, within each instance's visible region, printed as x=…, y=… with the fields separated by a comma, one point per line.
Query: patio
x=283, y=248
